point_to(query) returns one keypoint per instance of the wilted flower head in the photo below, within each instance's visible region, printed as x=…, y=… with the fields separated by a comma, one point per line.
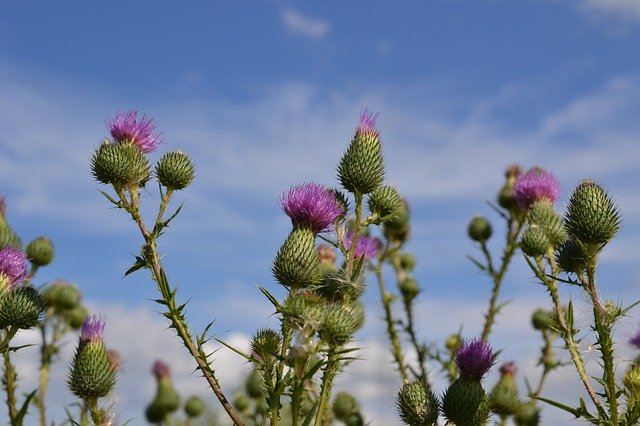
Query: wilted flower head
x=368, y=121
x=160, y=369
x=310, y=205
x=367, y=246
x=126, y=127
x=13, y=267
x=92, y=329
x=635, y=340
x=536, y=184
x=474, y=359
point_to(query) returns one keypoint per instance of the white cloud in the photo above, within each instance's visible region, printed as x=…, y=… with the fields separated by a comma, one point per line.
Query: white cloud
x=621, y=10
x=305, y=25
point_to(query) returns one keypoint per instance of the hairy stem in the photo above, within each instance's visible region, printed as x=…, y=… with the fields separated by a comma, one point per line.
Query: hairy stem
x=330, y=371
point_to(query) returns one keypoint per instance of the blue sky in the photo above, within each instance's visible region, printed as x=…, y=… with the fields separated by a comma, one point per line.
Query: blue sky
x=267, y=94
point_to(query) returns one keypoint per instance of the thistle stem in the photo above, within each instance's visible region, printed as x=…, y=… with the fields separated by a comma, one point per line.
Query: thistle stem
x=9, y=387
x=330, y=371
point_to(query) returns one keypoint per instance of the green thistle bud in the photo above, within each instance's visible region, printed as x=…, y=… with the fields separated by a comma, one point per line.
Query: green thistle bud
x=303, y=309
x=535, y=242
x=528, y=414
x=407, y=261
x=345, y=406
x=541, y=213
x=506, y=197
x=62, y=296
x=409, y=288
x=296, y=264
x=336, y=287
x=76, y=316
x=571, y=258
x=592, y=217
x=453, y=343
x=416, y=406
x=167, y=399
x=194, y=406
x=266, y=343
x=361, y=169
x=175, y=170
x=241, y=403
x=92, y=374
x=21, y=307
x=120, y=164
x=154, y=414
x=631, y=382
x=504, y=398
x=40, y=251
x=479, y=229
x=341, y=322
x=465, y=403
x=544, y=320
x=384, y=202
x=254, y=385
x=398, y=228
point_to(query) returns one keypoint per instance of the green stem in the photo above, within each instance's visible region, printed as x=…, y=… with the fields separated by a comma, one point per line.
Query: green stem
x=514, y=227
x=396, y=348
x=10, y=387
x=355, y=235
x=546, y=360
x=330, y=371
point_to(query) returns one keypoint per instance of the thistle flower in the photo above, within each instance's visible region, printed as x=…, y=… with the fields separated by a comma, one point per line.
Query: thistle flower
x=536, y=184
x=635, y=340
x=13, y=267
x=474, y=359
x=368, y=121
x=92, y=329
x=311, y=206
x=127, y=128
x=368, y=247
x=160, y=369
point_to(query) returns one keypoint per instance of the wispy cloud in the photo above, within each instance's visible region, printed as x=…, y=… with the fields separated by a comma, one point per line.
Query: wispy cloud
x=305, y=25
x=618, y=16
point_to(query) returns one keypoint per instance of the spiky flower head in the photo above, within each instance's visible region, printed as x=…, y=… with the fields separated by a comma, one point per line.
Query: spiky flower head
x=409, y=288
x=194, y=406
x=296, y=264
x=21, y=307
x=341, y=323
x=120, y=164
x=312, y=206
x=528, y=414
x=479, y=229
x=474, y=359
x=40, y=251
x=592, y=217
x=504, y=398
x=465, y=403
x=160, y=370
x=536, y=184
x=384, y=202
x=361, y=169
x=126, y=127
x=175, y=170
x=571, y=258
x=542, y=214
x=13, y=268
x=543, y=319
x=92, y=329
x=535, y=241
x=416, y=405
x=369, y=247
x=345, y=406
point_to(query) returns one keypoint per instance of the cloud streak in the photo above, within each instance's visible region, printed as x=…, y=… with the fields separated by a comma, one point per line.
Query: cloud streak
x=305, y=25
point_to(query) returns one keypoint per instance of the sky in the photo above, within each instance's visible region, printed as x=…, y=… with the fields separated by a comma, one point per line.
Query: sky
x=266, y=94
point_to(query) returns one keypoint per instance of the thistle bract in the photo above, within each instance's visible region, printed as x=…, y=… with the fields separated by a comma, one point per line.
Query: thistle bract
x=592, y=217
x=341, y=323
x=479, y=229
x=296, y=264
x=571, y=258
x=465, y=403
x=361, y=169
x=175, y=170
x=40, y=251
x=384, y=202
x=21, y=307
x=121, y=165
x=535, y=241
x=417, y=406
x=542, y=214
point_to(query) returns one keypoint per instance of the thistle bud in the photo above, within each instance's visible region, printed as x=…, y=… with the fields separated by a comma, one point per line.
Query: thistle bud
x=407, y=261
x=535, y=242
x=296, y=264
x=76, y=316
x=167, y=399
x=254, y=385
x=542, y=214
x=62, y=296
x=384, y=202
x=465, y=403
x=504, y=398
x=528, y=414
x=91, y=375
x=571, y=258
x=506, y=197
x=175, y=170
x=337, y=288
x=241, y=403
x=121, y=165
x=592, y=217
x=21, y=307
x=409, y=288
x=631, y=382
x=194, y=406
x=416, y=406
x=340, y=323
x=361, y=169
x=347, y=409
x=479, y=229
x=398, y=228
x=544, y=320
x=40, y=251
x=266, y=343
x=453, y=343
x=303, y=309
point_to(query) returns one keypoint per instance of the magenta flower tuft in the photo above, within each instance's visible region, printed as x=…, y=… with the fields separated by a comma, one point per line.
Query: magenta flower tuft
x=635, y=340
x=92, y=329
x=312, y=206
x=369, y=247
x=126, y=127
x=508, y=369
x=368, y=121
x=13, y=267
x=474, y=359
x=537, y=184
x=160, y=369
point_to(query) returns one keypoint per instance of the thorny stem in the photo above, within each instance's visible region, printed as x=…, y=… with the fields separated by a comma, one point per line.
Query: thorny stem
x=330, y=370
x=354, y=237
x=47, y=351
x=386, y=299
x=168, y=296
x=514, y=226
x=9, y=386
x=546, y=360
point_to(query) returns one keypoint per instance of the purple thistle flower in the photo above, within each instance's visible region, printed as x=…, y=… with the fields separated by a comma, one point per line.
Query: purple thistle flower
x=508, y=369
x=368, y=121
x=126, y=127
x=536, y=184
x=369, y=247
x=13, y=267
x=474, y=359
x=160, y=369
x=635, y=340
x=312, y=206
x=92, y=329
